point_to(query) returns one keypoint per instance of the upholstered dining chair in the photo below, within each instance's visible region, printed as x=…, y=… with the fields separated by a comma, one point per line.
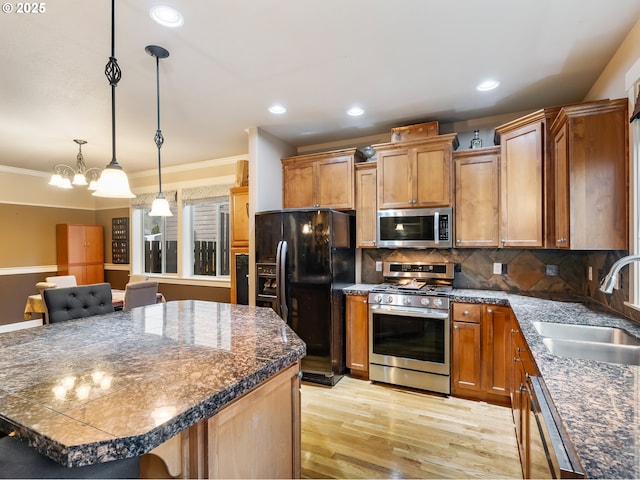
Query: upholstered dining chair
x=137, y=294
x=63, y=280
x=77, y=302
x=18, y=460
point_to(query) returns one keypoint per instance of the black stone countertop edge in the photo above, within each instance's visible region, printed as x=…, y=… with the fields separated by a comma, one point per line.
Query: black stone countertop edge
x=277, y=356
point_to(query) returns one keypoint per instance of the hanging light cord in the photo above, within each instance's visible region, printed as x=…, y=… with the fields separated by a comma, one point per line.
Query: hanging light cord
x=113, y=74
x=158, y=138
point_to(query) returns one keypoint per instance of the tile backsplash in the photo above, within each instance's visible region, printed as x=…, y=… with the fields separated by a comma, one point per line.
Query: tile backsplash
x=557, y=271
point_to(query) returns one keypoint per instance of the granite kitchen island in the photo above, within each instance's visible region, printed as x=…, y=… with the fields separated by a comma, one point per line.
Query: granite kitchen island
x=205, y=386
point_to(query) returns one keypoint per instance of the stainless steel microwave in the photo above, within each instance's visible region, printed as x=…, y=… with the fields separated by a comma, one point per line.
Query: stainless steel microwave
x=415, y=228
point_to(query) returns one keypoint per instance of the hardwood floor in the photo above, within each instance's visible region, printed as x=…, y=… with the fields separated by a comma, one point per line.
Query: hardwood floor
x=360, y=429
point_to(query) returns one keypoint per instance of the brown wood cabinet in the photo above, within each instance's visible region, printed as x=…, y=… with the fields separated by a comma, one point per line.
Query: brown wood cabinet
x=366, y=206
x=357, y=335
x=522, y=363
x=466, y=348
x=239, y=227
x=592, y=175
x=319, y=180
x=526, y=189
x=481, y=352
x=80, y=252
x=239, y=218
x=416, y=174
x=477, y=197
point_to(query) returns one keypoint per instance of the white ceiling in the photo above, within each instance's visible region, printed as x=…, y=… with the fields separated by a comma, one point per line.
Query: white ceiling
x=402, y=61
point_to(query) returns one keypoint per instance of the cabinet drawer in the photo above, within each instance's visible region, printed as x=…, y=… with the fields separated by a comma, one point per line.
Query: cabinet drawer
x=466, y=312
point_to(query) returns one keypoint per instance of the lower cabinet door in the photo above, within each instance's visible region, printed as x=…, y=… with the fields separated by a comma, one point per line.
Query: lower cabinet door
x=466, y=366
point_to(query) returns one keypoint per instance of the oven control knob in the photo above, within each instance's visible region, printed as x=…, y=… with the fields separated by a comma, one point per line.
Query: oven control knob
x=424, y=301
x=437, y=302
x=407, y=301
x=378, y=299
x=389, y=299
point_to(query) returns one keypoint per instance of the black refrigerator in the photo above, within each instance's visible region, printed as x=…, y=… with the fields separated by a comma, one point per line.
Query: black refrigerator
x=304, y=259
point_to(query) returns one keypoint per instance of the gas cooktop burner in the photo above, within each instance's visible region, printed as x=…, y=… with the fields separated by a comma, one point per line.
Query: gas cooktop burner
x=423, y=289
x=434, y=279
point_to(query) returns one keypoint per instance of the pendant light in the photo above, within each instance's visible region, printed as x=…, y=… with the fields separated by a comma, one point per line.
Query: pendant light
x=160, y=206
x=113, y=181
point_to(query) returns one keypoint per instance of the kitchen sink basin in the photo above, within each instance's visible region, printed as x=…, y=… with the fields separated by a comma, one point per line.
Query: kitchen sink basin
x=586, y=333
x=599, y=351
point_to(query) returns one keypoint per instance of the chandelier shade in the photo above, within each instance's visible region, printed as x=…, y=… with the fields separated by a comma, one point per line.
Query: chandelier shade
x=113, y=181
x=65, y=176
x=160, y=206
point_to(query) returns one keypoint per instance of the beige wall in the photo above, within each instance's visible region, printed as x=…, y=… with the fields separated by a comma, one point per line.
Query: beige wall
x=611, y=83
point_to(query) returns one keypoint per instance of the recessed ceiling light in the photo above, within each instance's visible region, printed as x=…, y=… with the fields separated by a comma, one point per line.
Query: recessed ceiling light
x=488, y=85
x=355, y=111
x=166, y=16
x=277, y=109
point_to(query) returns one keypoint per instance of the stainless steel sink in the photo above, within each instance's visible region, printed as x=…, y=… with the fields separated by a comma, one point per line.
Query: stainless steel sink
x=586, y=333
x=599, y=351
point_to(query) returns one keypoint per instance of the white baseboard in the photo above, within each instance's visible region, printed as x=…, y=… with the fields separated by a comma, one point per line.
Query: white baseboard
x=10, y=327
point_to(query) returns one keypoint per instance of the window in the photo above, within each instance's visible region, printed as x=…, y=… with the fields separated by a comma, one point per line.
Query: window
x=206, y=230
x=158, y=251
x=194, y=242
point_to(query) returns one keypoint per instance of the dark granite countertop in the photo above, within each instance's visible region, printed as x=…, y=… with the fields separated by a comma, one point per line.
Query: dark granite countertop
x=599, y=402
x=135, y=379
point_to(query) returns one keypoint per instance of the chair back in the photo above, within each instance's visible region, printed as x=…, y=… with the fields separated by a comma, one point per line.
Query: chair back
x=63, y=280
x=138, y=278
x=77, y=302
x=137, y=294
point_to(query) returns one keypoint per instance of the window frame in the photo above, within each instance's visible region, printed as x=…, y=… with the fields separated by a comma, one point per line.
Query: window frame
x=137, y=226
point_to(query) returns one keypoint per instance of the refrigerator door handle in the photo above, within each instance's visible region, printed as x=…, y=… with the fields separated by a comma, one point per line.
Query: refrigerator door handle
x=277, y=305
x=281, y=281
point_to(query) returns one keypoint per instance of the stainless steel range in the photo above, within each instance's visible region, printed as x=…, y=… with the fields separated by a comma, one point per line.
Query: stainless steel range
x=409, y=326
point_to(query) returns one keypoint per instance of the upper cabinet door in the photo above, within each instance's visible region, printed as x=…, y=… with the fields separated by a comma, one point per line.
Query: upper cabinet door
x=366, y=208
x=298, y=185
x=521, y=186
x=433, y=176
x=592, y=176
x=335, y=182
x=394, y=178
x=477, y=197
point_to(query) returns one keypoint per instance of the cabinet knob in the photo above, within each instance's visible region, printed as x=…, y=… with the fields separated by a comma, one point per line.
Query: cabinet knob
x=465, y=313
x=516, y=359
x=458, y=240
x=489, y=311
x=503, y=241
x=364, y=301
x=455, y=327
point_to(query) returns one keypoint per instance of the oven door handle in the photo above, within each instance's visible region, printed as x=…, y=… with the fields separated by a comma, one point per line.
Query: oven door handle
x=415, y=312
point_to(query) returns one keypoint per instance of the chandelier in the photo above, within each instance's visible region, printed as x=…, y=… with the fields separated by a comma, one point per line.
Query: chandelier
x=66, y=177
x=113, y=181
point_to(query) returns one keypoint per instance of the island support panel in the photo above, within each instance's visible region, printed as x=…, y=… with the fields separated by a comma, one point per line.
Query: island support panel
x=256, y=436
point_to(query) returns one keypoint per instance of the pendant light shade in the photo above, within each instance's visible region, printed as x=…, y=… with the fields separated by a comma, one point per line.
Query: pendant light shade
x=160, y=206
x=113, y=181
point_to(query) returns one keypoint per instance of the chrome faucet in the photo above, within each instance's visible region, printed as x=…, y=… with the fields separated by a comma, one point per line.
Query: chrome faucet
x=610, y=281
